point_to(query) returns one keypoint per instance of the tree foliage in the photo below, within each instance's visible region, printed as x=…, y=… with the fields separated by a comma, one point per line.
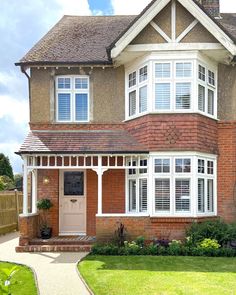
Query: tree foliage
x=5, y=167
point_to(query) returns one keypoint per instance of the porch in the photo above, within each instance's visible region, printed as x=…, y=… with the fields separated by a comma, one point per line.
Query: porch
x=99, y=190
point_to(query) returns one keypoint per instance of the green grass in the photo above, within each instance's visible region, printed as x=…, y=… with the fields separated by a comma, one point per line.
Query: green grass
x=24, y=278
x=154, y=275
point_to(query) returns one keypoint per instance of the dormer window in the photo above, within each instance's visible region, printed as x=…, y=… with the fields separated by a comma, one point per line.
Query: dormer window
x=177, y=85
x=72, y=99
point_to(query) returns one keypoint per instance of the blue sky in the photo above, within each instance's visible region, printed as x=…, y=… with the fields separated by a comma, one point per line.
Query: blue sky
x=22, y=24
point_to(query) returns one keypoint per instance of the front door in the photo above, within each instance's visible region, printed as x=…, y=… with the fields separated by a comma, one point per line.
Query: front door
x=72, y=203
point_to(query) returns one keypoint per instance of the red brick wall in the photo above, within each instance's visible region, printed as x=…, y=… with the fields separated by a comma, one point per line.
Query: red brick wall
x=113, y=195
x=150, y=228
x=227, y=171
x=28, y=227
x=175, y=132
x=50, y=191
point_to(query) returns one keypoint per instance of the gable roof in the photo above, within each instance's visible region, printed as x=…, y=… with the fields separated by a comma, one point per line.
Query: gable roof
x=95, y=141
x=89, y=39
x=217, y=29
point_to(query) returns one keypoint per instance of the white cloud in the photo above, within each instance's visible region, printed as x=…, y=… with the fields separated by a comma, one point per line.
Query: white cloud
x=129, y=7
x=228, y=6
x=135, y=7
x=74, y=7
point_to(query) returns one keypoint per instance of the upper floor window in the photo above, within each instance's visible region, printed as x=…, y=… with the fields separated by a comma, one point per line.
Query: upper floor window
x=72, y=98
x=206, y=91
x=173, y=85
x=138, y=91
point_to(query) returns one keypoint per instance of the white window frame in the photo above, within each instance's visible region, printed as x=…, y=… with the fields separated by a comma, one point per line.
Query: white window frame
x=207, y=86
x=137, y=176
x=72, y=91
x=137, y=88
x=195, y=58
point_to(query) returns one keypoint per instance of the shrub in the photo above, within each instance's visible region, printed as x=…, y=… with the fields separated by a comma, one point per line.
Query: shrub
x=140, y=241
x=209, y=244
x=175, y=248
x=132, y=248
x=120, y=235
x=216, y=229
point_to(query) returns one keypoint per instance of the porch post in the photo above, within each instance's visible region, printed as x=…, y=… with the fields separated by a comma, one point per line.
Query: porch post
x=99, y=173
x=25, y=188
x=34, y=191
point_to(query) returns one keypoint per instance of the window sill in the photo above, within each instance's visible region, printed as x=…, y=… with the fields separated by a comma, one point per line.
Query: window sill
x=170, y=113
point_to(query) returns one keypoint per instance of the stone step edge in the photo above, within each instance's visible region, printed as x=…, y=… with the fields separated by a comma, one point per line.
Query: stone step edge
x=61, y=243
x=53, y=248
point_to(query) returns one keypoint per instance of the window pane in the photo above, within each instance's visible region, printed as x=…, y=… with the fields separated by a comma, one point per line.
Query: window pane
x=132, y=171
x=201, y=166
x=143, y=99
x=210, y=195
x=162, y=70
x=183, y=95
x=132, y=195
x=143, y=74
x=162, y=165
x=132, y=79
x=64, y=107
x=162, y=195
x=63, y=83
x=144, y=164
x=201, y=98
x=162, y=96
x=201, y=73
x=182, y=195
x=210, y=167
x=182, y=165
x=143, y=195
x=81, y=83
x=201, y=195
x=210, y=107
x=211, y=78
x=81, y=107
x=183, y=69
x=132, y=103
x=73, y=183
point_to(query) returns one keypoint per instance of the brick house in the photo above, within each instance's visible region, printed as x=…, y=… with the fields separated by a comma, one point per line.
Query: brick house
x=133, y=120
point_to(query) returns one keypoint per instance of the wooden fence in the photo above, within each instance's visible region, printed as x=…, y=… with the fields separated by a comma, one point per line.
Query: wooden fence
x=11, y=204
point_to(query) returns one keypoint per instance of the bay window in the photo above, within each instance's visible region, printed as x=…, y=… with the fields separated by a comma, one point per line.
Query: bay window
x=72, y=99
x=176, y=185
x=174, y=85
x=137, y=187
x=138, y=91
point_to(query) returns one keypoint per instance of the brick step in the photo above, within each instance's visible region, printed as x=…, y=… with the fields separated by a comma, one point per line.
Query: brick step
x=41, y=242
x=54, y=248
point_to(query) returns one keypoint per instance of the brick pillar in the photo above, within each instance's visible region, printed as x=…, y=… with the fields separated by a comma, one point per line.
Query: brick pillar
x=28, y=227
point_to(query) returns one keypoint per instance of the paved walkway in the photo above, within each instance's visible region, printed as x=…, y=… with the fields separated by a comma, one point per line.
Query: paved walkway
x=56, y=272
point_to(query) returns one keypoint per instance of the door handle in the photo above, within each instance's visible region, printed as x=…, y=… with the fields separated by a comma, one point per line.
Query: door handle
x=73, y=201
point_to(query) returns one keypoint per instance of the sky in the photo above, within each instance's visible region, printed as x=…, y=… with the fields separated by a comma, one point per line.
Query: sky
x=22, y=24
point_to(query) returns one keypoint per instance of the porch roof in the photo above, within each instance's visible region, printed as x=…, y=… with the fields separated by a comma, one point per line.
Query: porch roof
x=81, y=142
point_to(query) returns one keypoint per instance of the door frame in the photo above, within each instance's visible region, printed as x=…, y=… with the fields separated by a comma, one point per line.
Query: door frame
x=61, y=194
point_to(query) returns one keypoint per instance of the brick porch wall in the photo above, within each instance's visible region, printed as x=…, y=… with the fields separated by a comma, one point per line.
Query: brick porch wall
x=50, y=191
x=113, y=195
x=150, y=228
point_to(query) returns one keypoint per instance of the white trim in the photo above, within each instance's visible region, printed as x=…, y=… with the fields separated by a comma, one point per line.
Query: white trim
x=160, y=31
x=173, y=20
x=34, y=190
x=28, y=215
x=138, y=26
x=187, y=30
x=173, y=47
x=25, y=188
x=156, y=7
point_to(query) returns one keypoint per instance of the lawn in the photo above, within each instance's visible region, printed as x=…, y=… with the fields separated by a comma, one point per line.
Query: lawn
x=110, y=275
x=24, y=279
